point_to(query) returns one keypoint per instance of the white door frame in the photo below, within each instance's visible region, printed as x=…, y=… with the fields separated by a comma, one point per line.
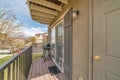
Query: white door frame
x=90, y=76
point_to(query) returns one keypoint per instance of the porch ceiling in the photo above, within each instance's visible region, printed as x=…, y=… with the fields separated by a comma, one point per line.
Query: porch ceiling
x=45, y=11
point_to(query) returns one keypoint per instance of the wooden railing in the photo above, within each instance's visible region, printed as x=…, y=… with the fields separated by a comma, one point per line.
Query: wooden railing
x=18, y=67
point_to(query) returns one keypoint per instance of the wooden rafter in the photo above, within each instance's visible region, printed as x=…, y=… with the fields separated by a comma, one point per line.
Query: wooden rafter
x=41, y=18
x=47, y=4
x=64, y=1
x=43, y=10
x=43, y=22
x=44, y=15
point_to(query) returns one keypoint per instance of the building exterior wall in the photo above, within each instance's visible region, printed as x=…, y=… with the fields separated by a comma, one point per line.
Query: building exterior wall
x=80, y=50
x=80, y=41
x=41, y=38
x=37, y=39
x=45, y=37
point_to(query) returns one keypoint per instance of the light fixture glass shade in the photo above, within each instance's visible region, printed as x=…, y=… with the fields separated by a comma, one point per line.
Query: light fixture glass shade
x=75, y=13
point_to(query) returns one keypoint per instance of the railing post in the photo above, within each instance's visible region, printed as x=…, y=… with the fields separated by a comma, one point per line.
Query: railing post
x=26, y=63
x=5, y=73
x=17, y=69
x=20, y=67
x=9, y=72
x=13, y=70
x=2, y=75
x=23, y=70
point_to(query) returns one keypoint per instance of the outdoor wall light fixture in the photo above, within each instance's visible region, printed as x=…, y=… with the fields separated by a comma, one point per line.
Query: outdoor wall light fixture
x=75, y=13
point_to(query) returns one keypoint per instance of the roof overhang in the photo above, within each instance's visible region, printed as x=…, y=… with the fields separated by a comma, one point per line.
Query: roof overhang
x=45, y=11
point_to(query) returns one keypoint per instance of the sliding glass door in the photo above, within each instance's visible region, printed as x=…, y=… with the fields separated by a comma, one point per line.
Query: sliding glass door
x=57, y=36
x=53, y=43
x=59, y=46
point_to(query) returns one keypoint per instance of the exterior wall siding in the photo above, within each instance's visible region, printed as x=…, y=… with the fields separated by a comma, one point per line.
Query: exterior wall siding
x=80, y=41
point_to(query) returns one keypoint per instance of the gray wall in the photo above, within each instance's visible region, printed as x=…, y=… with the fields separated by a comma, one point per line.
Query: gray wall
x=80, y=41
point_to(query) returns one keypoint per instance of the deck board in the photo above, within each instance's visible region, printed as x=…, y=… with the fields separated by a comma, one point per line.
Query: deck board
x=39, y=71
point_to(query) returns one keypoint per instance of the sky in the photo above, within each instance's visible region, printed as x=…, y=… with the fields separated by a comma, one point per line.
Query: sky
x=21, y=11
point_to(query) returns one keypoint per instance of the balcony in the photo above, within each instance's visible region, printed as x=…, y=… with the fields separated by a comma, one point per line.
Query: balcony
x=39, y=71
x=21, y=67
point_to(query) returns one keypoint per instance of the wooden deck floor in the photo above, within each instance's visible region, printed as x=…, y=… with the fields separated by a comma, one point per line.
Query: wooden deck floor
x=39, y=71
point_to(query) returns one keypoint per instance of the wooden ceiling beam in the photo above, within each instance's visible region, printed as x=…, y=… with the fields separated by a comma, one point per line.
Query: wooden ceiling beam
x=47, y=4
x=44, y=10
x=41, y=18
x=64, y=1
x=44, y=15
x=42, y=22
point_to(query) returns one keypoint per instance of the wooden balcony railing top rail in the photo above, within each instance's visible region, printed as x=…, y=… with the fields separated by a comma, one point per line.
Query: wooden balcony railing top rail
x=18, y=67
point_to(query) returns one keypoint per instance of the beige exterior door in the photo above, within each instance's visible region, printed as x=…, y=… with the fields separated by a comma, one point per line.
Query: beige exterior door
x=106, y=39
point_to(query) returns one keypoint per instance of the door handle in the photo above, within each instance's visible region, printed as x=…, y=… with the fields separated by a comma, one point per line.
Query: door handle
x=97, y=58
